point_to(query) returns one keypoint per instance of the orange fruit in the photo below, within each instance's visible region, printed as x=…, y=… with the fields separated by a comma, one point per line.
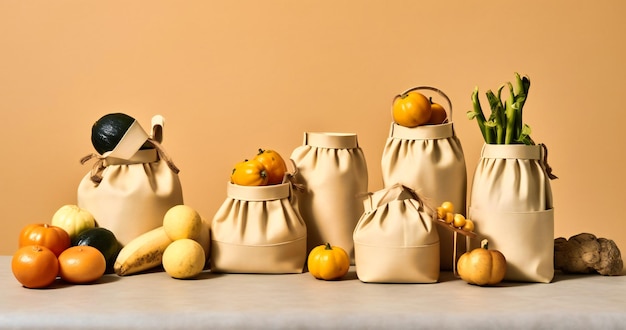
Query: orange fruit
x=438, y=114
x=275, y=165
x=411, y=109
x=447, y=207
x=184, y=258
x=81, y=264
x=54, y=238
x=35, y=266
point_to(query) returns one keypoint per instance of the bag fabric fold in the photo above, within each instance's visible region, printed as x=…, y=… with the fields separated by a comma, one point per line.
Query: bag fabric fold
x=129, y=191
x=430, y=160
x=396, y=239
x=258, y=229
x=332, y=170
x=511, y=205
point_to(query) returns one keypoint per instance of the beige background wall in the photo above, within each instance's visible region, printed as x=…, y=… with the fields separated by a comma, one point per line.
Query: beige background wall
x=233, y=76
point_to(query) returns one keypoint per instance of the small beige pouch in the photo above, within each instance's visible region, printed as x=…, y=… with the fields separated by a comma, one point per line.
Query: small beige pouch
x=332, y=170
x=511, y=205
x=129, y=190
x=258, y=230
x=396, y=239
x=429, y=159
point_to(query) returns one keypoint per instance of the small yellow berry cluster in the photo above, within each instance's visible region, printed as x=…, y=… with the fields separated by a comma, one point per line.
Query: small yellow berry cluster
x=445, y=213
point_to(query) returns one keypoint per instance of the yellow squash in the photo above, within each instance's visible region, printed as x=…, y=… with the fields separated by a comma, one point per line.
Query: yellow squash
x=328, y=262
x=482, y=266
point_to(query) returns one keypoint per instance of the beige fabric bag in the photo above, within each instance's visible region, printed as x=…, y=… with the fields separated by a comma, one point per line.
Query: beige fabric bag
x=258, y=230
x=511, y=205
x=396, y=239
x=332, y=170
x=429, y=159
x=129, y=190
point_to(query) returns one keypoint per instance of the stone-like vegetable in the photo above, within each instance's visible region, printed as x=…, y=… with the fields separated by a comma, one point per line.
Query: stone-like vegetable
x=585, y=253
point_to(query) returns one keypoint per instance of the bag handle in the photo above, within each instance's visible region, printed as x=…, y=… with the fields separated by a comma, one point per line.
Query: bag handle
x=157, y=128
x=395, y=192
x=437, y=90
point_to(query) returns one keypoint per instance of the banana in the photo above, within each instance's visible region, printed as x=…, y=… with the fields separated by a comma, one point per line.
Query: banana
x=205, y=237
x=142, y=253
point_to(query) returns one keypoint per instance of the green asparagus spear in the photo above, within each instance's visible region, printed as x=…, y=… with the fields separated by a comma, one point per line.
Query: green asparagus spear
x=497, y=116
x=510, y=111
x=477, y=113
x=522, y=85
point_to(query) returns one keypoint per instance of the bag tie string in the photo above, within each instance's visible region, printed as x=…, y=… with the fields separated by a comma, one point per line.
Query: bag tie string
x=545, y=163
x=290, y=177
x=99, y=166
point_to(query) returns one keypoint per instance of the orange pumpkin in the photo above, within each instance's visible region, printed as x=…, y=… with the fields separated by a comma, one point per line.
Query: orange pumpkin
x=52, y=237
x=482, y=266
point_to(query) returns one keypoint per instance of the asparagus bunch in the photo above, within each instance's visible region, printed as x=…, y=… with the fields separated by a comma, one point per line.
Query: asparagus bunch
x=504, y=125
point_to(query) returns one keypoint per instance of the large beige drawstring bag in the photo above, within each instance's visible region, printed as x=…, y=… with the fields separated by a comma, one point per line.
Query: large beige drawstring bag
x=129, y=190
x=396, y=239
x=511, y=205
x=429, y=159
x=258, y=230
x=332, y=170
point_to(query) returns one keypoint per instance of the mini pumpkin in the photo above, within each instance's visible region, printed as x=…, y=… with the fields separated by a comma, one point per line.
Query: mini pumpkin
x=327, y=262
x=482, y=266
x=73, y=220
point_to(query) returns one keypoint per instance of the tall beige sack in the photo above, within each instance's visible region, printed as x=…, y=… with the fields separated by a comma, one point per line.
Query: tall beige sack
x=129, y=190
x=430, y=160
x=511, y=205
x=332, y=171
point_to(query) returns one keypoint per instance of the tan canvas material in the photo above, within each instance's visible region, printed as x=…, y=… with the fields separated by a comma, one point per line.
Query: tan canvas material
x=396, y=239
x=429, y=159
x=258, y=230
x=332, y=170
x=129, y=190
x=511, y=205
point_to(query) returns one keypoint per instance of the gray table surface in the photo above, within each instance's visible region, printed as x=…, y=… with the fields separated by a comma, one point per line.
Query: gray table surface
x=298, y=301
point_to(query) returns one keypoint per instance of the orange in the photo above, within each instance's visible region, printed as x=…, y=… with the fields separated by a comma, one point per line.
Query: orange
x=35, y=266
x=411, y=109
x=275, y=165
x=81, y=264
x=438, y=114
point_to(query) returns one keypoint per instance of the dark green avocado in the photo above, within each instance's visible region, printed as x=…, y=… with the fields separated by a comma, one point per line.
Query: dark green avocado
x=108, y=131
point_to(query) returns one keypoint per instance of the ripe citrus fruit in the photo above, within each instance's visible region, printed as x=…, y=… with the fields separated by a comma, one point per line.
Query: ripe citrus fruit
x=438, y=114
x=52, y=237
x=469, y=225
x=458, y=220
x=183, y=258
x=102, y=239
x=275, y=165
x=35, y=266
x=411, y=109
x=81, y=264
x=182, y=221
x=448, y=207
